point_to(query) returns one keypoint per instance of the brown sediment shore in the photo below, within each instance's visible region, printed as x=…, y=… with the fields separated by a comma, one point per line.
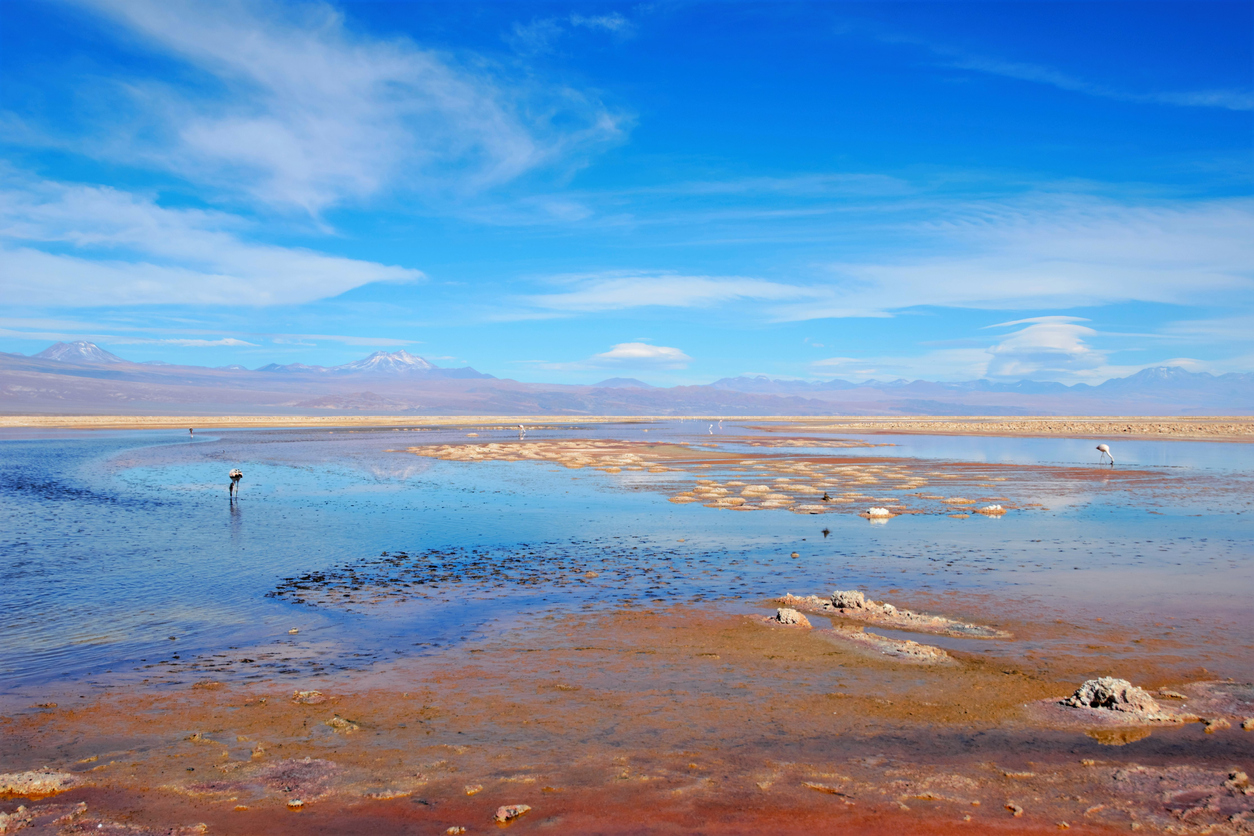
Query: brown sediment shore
x=1218, y=428
x=677, y=720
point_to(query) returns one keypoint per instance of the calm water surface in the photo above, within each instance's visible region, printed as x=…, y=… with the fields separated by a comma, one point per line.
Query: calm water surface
x=114, y=542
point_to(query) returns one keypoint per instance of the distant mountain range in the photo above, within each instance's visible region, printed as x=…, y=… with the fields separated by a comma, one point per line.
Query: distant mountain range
x=83, y=353
x=80, y=377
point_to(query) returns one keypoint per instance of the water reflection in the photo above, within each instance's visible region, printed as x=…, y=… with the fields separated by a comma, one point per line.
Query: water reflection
x=114, y=541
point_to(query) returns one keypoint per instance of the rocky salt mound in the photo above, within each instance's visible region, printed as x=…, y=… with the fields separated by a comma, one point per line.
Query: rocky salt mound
x=855, y=605
x=785, y=615
x=1120, y=699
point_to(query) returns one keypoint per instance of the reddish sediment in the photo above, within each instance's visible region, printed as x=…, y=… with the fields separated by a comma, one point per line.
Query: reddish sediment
x=670, y=720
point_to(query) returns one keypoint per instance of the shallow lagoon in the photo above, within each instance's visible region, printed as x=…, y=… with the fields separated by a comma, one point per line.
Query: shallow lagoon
x=114, y=542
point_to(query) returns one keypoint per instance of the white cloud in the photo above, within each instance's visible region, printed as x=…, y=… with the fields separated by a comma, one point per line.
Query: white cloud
x=636, y=355
x=641, y=354
x=78, y=246
x=310, y=113
x=1047, y=346
x=619, y=290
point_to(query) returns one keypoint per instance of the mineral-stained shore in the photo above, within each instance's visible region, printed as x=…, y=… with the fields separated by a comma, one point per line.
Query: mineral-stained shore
x=681, y=715
x=675, y=720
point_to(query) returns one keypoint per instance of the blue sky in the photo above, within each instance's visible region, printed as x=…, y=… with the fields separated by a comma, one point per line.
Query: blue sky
x=671, y=191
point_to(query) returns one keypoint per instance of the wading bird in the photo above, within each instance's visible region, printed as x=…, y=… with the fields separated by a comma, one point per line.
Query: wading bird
x=1104, y=449
x=236, y=474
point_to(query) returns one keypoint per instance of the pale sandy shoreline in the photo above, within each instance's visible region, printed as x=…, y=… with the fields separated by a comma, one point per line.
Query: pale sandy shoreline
x=1210, y=428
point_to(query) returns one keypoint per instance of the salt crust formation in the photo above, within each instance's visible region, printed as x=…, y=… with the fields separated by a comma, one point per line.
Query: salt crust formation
x=40, y=816
x=36, y=784
x=810, y=487
x=855, y=605
x=897, y=649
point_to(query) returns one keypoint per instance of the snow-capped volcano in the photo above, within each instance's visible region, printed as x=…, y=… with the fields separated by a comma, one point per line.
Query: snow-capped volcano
x=381, y=362
x=81, y=352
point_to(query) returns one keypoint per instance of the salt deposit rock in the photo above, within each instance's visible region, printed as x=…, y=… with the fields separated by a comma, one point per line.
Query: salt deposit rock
x=991, y=510
x=35, y=783
x=308, y=697
x=1114, y=695
x=509, y=812
x=342, y=726
x=848, y=600
x=787, y=615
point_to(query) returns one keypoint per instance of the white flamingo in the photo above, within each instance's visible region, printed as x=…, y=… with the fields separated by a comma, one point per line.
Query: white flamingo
x=711, y=429
x=1104, y=449
x=236, y=474
x=522, y=432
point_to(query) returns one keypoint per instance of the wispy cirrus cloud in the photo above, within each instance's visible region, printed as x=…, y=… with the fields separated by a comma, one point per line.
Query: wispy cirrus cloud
x=541, y=34
x=300, y=109
x=617, y=290
x=1231, y=98
x=1051, y=252
x=1040, y=74
x=67, y=245
x=40, y=328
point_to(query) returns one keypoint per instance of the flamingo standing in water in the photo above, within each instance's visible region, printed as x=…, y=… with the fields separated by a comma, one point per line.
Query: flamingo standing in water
x=236, y=474
x=1104, y=449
